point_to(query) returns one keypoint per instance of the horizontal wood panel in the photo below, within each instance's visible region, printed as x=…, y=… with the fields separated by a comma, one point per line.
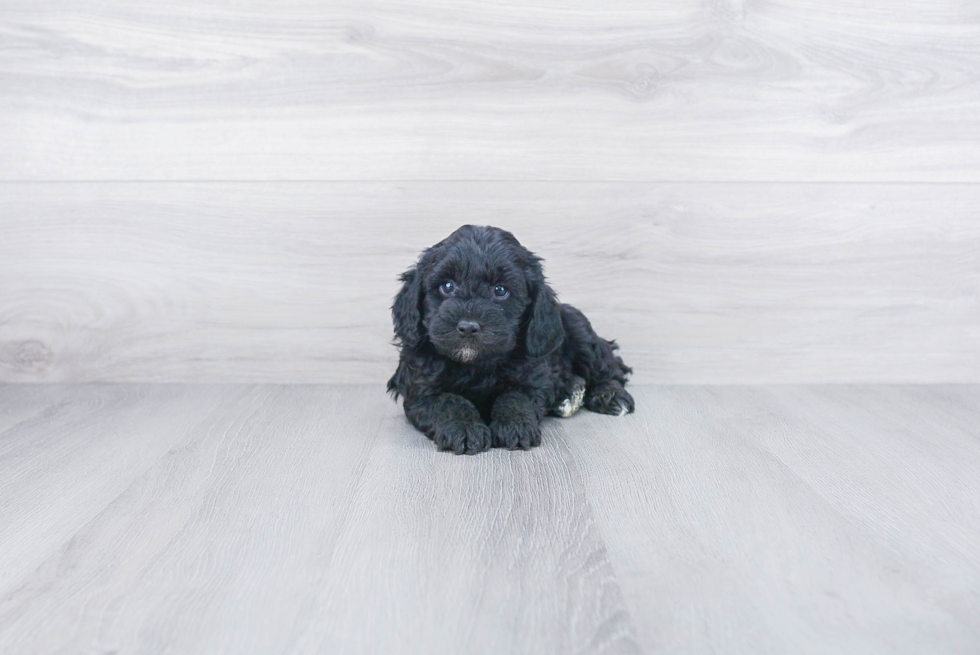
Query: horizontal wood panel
x=292, y=282
x=623, y=90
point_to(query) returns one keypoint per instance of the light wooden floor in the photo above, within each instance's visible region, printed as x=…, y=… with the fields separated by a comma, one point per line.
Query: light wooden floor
x=302, y=519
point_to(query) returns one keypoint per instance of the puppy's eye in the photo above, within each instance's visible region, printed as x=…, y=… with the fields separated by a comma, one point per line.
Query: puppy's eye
x=447, y=288
x=500, y=292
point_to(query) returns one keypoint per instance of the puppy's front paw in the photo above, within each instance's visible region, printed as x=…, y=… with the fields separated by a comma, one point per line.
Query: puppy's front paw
x=515, y=434
x=610, y=398
x=462, y=437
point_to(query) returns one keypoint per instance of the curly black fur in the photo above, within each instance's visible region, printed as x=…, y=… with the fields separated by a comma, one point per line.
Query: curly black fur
x=487, y=350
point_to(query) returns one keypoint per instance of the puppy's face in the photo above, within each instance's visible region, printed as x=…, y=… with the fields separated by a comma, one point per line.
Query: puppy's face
x=477, y=294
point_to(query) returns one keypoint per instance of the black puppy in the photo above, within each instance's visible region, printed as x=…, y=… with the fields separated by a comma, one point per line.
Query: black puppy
x=484, y=340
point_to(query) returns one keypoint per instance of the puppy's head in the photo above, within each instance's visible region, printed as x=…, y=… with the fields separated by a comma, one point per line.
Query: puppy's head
x=478, y=294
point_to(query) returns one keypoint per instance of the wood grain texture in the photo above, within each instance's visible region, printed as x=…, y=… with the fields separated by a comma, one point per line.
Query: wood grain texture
x=291, y=282
x=308, y=520
x=313, y=519
x=792, y=519
x=446, y=554
x=621, y=90
x=67, y=450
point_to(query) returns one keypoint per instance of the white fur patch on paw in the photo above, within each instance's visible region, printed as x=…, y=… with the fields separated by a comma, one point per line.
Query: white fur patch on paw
x=571, y=405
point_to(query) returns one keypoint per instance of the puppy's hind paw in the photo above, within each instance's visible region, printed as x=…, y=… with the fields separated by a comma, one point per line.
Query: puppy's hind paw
x=610, y=398
x=463, y=437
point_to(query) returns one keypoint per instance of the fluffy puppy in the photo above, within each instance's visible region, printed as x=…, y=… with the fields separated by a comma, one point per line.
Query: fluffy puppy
x=487, y=351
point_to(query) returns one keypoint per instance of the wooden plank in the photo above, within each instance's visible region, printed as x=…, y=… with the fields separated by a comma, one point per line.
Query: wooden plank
x=722, y=90
x=775, y=520
x=291, y=282
x=20, y=404
x=901, y=464
x=497, y=553
x=60, y=468
x=217, y=546
x=314, y=519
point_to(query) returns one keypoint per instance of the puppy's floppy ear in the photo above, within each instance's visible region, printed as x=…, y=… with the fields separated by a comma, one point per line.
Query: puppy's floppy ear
x=406, y=312
x=544, y=329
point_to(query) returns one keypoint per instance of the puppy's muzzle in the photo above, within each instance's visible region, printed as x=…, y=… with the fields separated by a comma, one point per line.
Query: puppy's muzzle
x=468, y=328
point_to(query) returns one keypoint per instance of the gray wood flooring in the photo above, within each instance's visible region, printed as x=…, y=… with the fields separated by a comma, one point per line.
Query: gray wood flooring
x=241, y=519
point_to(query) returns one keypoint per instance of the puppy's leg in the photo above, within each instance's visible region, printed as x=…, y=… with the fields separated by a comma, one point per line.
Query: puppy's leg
x=515, y=421
x=452, y=421
x=610, y=397
x=595, y=359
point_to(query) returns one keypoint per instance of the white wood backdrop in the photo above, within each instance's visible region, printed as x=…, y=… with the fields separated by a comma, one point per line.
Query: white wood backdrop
x=881, y=90
x=292, y=282
x=736, y=191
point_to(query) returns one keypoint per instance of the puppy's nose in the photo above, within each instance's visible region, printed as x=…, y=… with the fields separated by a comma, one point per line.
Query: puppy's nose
x=467, y=327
